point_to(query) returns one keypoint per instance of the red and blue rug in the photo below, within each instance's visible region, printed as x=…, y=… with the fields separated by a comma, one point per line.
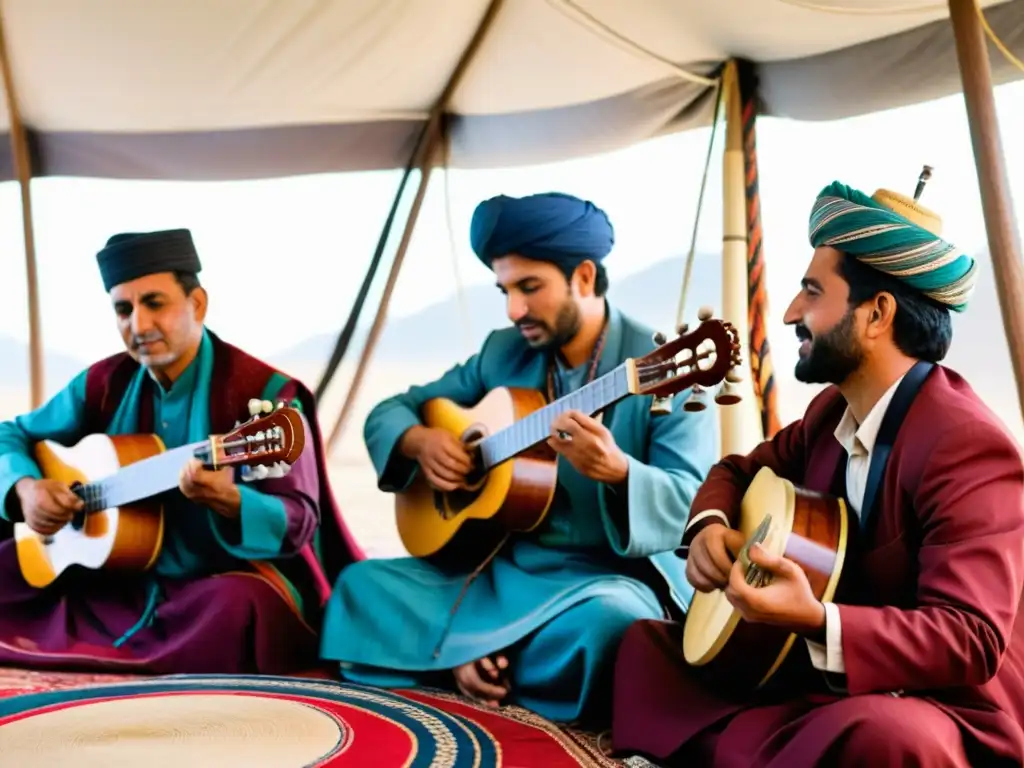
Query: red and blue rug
x=198, y=720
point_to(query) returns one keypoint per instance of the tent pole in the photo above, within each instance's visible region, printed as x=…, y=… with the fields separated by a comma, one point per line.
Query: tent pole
x=23, y=168
x=389, y=287
x=740, y=424
x=761, y=367
x=349, y=329
x=1003, y=239
x=437, y=131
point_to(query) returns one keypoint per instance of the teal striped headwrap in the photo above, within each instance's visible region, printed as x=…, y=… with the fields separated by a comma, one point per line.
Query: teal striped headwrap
x=905, y=245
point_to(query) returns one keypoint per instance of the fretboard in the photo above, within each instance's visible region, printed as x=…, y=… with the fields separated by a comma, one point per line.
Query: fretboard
x=536, y=428
x=140, y=480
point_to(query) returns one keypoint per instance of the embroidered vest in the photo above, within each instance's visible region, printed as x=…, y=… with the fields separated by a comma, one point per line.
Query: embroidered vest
x=238, y=377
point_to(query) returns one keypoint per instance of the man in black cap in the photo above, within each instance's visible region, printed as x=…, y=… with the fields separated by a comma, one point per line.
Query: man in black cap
x=539, y=623
x=243, y=570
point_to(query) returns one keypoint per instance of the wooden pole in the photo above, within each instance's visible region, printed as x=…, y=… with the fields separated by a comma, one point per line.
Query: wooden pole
x=740, y=424
x=348, y=330
x=1003, y=239
x=436, y=133
x=23, y=169
x=380, y=317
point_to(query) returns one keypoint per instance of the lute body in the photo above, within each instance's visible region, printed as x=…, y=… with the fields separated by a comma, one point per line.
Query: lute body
x=125, y=536
x=122, y=479
x=515, y=495
x=812, y=529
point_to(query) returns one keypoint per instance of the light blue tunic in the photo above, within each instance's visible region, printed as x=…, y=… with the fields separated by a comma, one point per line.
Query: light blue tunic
x=555, y=601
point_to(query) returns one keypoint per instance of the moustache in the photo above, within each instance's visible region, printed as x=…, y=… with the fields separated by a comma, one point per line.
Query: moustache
x=528, y=321
x=138, y=341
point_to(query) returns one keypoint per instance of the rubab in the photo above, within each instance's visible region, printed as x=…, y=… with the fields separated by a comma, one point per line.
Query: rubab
x=810, y=528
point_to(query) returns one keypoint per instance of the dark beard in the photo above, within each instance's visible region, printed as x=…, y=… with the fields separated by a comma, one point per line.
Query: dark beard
x=567, y=325
x=833, y=356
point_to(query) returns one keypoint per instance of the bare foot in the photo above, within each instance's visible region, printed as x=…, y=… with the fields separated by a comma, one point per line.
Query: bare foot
x=484, y=680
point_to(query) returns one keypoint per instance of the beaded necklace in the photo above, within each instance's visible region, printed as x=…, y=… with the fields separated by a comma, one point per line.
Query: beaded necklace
x=554, y=383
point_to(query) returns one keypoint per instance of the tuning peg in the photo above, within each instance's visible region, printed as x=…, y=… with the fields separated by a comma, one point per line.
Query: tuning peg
x=255, y=406
x=281, y=404
x=267, y=406
x=705, y=313
x=728, y=394
x=697, y=401
x=661, y=406
x=659, y=338
x=683, y=328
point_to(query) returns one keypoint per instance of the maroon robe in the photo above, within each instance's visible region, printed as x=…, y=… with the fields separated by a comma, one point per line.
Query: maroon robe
x=932, y=643
x=243, y=621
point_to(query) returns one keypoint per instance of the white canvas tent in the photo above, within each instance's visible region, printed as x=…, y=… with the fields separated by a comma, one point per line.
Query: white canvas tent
x=230, y=89
x=218, y=89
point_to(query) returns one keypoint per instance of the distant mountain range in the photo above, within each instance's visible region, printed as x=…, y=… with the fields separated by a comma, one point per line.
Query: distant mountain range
x=14, y=366
x=438, y=333
x=979, y=351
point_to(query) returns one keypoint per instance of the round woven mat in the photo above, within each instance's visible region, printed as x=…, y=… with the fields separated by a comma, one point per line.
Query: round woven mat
x=207, y=721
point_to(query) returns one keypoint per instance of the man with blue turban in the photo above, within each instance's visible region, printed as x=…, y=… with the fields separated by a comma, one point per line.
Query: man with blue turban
x=918, y=656
x=537, y=624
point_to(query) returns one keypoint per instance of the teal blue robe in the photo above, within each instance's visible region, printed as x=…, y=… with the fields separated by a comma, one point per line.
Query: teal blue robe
x=556, y=601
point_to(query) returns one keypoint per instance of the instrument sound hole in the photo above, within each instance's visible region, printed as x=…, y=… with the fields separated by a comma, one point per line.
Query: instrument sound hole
x=472, y=438
x=78, y=521
x=451, y=503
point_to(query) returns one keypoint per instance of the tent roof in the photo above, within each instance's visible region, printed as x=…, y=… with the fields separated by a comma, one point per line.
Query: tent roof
x=215, y=89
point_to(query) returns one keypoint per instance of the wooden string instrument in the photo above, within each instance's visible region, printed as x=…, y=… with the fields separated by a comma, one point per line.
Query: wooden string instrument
x=812, y=529
x=506, y=433
x=121, y=478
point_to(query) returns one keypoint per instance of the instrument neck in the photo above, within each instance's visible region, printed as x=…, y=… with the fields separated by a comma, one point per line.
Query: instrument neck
x=142, y=479
x=590, y=399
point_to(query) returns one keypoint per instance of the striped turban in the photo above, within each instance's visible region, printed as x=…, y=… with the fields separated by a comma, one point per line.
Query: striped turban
x=894, y=234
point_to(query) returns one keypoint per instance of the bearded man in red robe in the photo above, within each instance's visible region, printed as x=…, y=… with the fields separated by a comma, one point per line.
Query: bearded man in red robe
x=918, y=660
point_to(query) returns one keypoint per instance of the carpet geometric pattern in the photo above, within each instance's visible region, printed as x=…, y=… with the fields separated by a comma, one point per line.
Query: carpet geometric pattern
x=254, y=721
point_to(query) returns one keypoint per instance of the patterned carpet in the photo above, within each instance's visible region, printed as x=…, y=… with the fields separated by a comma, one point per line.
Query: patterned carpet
x=53, y=719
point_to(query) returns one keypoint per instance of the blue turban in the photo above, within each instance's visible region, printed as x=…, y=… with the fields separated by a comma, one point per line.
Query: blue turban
x=552, y=227
x=903, y=244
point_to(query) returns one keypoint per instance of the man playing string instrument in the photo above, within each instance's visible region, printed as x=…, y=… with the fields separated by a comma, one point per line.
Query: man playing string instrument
x=539, y=624
x=918, y=658
x=244, y=567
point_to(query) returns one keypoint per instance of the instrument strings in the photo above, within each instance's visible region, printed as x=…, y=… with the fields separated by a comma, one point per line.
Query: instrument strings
x=655, y=369
x=754, y=576
x=96, y=493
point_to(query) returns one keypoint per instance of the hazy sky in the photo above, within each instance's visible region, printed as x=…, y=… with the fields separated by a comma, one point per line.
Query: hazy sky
x=283, y=258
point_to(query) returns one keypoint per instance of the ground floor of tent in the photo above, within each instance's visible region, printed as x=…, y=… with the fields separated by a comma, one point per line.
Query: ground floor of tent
x=200, y=721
